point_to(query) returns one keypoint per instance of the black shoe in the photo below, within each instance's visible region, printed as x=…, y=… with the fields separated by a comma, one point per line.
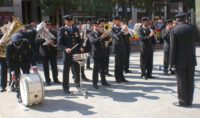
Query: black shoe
x=78, y=86
x=151, y=77
x=127, y=71
x=124, y=80
x=172, y=72
x=181, y=104
x=3, y=90
x=144, y=77
x=108, y=74
x=89, y=68
x=85, y=79
x=105, y=84
x=166, y=74
x=96, y=86
x=48, y=83
x=118, y=81
x=66, y=91
x=19, y=100
x=57, y=82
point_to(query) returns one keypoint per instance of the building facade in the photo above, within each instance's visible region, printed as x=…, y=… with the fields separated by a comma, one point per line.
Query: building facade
x=26, y=10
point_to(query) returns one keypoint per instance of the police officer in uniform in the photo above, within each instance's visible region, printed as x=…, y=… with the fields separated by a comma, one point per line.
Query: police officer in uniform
x=183, y=58
x=146, y=49
x=166, y=46
x=48, y=53
x=69, y=39
x=3, y=70
x=119, y=36
x=97, y=38
x=19, y=56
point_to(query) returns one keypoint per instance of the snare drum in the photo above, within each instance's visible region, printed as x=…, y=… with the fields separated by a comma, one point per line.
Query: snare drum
x=79, y=57
x=31, y=89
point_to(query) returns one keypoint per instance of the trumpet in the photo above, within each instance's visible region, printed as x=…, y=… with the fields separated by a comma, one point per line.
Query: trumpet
x=128, y=30
x=108, y=26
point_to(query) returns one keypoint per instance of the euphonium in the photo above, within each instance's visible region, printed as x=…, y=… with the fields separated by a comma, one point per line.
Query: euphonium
x=44, y=33
x=5, y=27
x=15, y=26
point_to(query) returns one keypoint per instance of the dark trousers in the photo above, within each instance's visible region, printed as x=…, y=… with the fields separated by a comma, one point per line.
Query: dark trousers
x=99, y=67
x=66, y=69
x=25, y=70
x=53, y=63
x=185, y=81
x=146, y=64
x=3, y=73
x=119, y=66
x=166, y=61
x=107, y=57
x=82, y=71
x=88, y=61
x=127, y=60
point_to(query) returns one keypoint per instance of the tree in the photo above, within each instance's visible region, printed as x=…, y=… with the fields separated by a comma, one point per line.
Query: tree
x=53, y=8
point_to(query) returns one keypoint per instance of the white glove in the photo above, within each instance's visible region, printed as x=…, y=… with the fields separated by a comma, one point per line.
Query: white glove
x=35, y=70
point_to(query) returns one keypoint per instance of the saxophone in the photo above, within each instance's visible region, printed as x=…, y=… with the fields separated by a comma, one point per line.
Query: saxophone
x=8, y=31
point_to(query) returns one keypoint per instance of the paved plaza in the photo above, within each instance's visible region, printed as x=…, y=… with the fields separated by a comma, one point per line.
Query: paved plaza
x=137, y=99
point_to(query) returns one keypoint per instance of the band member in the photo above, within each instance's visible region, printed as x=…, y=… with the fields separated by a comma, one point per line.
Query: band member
x=119, y=35
x=87, y=30
x=128, y=52
x=146, y=49
x=3, y=71
x=87, y=49
x=19, y=56
x=89, y=53
x=108, y=58
x=31, y=35
x=69, y=39
x=49, y=53
x=166, y=46
x=183, y=58
x=97, y=38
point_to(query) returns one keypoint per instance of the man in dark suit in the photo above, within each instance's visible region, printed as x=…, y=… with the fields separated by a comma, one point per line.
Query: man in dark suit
x=3, y=70
x=69, y=39
x=48, y=53
x=119, y=35
x=108, y=58
x=166, y=46
x=183, y=58
x=146, y=49
x=97, y=38
x=128, y=52
x=19, y=56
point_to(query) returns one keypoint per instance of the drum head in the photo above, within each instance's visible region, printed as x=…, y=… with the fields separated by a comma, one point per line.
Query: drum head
x=24, y=90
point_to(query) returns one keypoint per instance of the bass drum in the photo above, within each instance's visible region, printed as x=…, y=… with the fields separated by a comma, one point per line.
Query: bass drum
x=31, y=89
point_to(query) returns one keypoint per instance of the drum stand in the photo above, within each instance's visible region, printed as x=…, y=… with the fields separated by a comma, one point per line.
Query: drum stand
x=81, y=90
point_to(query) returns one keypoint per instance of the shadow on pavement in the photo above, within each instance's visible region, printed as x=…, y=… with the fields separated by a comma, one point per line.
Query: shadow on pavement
x=50, y=105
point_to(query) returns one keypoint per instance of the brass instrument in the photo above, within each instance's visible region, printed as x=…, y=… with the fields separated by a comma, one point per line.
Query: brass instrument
x=44, y=33
x=5, y=28
x=108, y=27
x=15, y=26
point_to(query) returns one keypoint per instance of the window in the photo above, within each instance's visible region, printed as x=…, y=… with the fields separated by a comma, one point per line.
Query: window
x=6, y=2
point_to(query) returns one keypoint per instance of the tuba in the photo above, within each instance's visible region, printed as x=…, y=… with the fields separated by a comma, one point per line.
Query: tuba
x=8, y=31
x=44, y=33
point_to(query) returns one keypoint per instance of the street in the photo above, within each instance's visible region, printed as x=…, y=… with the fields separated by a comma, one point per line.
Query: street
x=139, y=98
